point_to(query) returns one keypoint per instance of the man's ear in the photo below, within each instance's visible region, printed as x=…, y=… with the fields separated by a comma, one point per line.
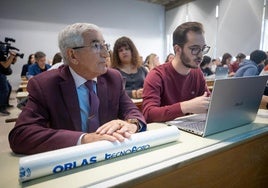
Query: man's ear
x=71, y=56
x=177, y=49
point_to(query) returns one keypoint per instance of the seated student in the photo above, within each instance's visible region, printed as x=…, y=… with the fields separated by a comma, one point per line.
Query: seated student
x=250, y=67
x=126, y=59
x=235, y=65
x=24, y=70
x=80, y=102
x=40, y=65
x=226, y=62
x=169, y=58
x=265, y=68
x=205, y=66
x=57, y=61
x=151, y=62
x=178, y=88
x=215, y=63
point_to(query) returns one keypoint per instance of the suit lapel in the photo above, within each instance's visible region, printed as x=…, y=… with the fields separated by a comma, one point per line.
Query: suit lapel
x=70, y=97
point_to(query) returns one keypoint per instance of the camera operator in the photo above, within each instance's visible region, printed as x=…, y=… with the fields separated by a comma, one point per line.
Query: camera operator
x=5, y=87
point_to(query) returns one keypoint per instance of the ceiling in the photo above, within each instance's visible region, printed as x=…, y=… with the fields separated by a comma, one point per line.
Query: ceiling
x=169, y=4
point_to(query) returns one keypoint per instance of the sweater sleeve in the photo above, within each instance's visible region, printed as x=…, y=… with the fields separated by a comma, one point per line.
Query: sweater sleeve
x=153, y=111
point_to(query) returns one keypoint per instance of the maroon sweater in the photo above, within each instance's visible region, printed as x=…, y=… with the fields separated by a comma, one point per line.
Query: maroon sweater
x=164, y=89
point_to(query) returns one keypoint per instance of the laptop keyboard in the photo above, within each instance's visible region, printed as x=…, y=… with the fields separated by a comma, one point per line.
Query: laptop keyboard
x=194, y=124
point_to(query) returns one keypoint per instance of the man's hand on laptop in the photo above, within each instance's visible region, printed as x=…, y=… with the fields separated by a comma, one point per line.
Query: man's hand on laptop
x=197, y=105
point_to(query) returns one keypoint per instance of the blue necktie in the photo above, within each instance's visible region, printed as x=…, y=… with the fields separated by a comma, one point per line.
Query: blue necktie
x=93, y=119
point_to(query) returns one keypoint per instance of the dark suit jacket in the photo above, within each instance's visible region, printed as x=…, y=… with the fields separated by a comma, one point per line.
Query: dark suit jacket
x=51, y=118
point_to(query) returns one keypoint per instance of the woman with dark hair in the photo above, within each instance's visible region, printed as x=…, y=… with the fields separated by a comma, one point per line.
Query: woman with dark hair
x=57, y=61
x=24, y=69
x=57, y=58
x=226, y=62
x=127, y=60
x=226, y=59
x=169, y=58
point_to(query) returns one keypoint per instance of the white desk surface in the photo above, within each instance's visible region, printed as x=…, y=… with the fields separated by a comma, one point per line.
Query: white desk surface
x=115, y=171
x=23, y=86
x=136, y=100
x=22, y=94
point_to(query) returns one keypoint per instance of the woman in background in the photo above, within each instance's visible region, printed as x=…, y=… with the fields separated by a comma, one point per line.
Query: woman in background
x=126, y=59
x=151, y=62
x=205, y=66
x=170, y=57
x=57, y=61
x=57, y=58
x=226, y=62
x=24, y=69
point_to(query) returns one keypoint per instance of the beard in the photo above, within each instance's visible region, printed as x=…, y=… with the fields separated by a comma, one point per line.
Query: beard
x=187, y=62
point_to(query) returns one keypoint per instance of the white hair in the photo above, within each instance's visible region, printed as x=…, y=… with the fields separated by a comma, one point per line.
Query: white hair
x=71, y=36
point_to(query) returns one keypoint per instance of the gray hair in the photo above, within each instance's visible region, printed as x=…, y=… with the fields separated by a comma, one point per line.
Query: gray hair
x=38, y=55
x=71, y=37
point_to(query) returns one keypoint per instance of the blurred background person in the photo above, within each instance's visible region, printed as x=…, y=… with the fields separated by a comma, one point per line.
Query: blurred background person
x=57, y=58
x=250, y=67
x=215, y=63
x=151, y=61
x=24, y=70
x=56, y=61
x=265, y=69
x=127, y=60
x=226, y=62
x=39, y=66
x=169, y=58
x=235, y=65
x=205, y=66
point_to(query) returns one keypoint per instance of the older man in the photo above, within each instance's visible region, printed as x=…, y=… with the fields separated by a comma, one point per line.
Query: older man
x=81, y=102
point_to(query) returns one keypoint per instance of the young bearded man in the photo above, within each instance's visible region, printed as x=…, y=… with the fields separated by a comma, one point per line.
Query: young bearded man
x=178, y=88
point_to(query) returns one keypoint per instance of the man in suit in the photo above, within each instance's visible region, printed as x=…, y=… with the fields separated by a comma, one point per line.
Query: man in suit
x=57, y=114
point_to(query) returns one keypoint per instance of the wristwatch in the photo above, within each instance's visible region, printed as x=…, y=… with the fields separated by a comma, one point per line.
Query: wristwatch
x=136, y=122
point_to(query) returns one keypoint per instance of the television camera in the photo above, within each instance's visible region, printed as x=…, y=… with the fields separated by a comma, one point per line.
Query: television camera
x=5, y=48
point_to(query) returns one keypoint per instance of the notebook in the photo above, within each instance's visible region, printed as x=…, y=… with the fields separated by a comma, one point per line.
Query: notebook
x=234, y=102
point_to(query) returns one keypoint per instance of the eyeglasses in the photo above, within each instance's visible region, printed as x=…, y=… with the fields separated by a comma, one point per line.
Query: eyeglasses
x=195, y=50
x=96, y=46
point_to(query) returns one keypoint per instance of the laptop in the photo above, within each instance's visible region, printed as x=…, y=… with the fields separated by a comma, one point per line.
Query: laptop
x=221, y=72
x=234, y=102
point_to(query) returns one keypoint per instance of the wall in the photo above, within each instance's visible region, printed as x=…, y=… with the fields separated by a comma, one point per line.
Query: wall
x=237, y=29
x=35, y=24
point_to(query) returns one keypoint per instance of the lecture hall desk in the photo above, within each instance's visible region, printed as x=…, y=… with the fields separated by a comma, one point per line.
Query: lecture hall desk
x=233, y=158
